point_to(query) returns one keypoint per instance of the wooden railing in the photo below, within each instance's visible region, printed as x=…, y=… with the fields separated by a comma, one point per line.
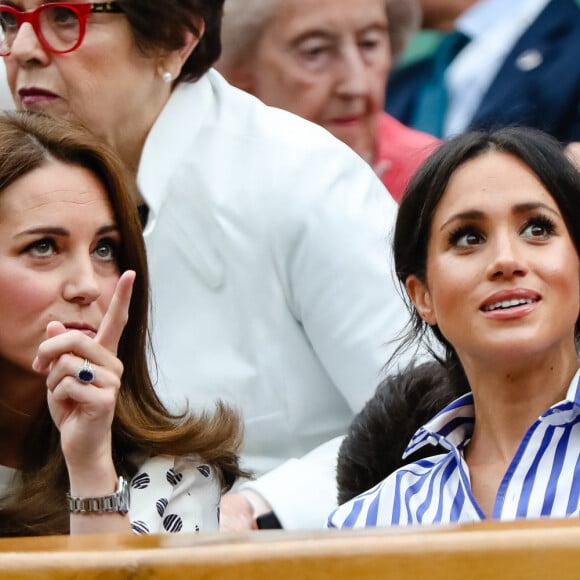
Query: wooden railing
x=530, y=550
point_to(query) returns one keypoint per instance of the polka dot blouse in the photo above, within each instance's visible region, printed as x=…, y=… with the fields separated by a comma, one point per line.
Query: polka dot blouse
x=174, y=494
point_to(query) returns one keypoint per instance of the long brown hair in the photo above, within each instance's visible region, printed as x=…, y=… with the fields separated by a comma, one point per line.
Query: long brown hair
x=142, y=426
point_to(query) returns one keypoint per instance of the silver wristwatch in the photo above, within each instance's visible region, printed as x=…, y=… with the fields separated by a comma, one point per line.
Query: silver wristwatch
x=116, y=502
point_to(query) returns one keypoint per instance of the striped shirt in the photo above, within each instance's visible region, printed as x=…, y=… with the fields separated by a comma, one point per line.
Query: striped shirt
x=543, y=478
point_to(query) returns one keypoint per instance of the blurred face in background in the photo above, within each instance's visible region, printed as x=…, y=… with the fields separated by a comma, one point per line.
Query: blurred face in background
x=327, y=61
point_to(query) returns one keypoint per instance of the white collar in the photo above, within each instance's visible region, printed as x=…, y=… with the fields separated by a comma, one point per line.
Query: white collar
x=187, y=106
x=486, y=15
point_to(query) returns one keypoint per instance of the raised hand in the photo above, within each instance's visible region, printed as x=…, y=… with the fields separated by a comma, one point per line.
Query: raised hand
x=83, y=412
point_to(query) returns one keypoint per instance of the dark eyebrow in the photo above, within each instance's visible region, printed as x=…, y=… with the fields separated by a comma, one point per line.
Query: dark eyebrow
x=61, y=232
x=478, y=215
x=472, y=214
x=531, y=206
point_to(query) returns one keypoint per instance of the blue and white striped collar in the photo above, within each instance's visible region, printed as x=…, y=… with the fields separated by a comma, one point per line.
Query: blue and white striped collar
x=452, y=427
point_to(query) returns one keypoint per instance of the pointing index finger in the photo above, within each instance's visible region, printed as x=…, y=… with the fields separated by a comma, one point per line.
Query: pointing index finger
x=117, y=314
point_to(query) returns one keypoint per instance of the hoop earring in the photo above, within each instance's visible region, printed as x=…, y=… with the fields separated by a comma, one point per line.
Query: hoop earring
x=167, y=77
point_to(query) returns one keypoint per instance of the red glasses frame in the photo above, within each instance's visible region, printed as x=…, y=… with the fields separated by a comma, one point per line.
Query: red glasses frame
x=81, y=10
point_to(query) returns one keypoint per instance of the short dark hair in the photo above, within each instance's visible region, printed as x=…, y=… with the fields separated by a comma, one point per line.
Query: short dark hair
x=161, y=25
x=540, y=152
x=379, y=434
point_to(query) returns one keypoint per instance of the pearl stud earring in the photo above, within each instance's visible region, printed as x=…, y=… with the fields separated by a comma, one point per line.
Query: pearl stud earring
x=167, y=77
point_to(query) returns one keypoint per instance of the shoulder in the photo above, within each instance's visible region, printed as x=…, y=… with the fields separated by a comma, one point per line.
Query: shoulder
x=386, y=503
x=560, y=15
x=293, y=162
x=258, y=161
x=212, y=125
x=242, y=114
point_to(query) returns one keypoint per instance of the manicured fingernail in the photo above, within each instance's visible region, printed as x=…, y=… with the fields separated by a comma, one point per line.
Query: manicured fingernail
x=35, y=364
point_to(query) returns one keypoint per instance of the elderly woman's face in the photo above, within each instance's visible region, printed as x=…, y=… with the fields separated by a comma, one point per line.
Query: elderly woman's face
x=327, y=61
x=106, y=83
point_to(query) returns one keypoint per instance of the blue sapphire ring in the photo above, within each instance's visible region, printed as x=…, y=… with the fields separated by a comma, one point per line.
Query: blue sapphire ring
x=85, y=373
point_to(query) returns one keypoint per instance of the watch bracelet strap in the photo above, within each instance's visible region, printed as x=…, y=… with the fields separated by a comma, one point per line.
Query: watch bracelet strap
x=114, y=503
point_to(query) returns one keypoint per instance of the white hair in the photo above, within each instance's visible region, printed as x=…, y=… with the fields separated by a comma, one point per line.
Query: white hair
x=245, y=20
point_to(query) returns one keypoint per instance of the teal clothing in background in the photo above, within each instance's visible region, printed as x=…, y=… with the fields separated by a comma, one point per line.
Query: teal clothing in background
x=421, y=45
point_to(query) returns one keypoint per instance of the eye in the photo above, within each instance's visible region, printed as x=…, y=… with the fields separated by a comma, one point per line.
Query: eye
x=314, y=52
x=465, y=237
x=539, y=228
x=61, y=16
x=372, y=41
x=42, y=248
x=8, y=22
x=106, y=250
x=374, y=45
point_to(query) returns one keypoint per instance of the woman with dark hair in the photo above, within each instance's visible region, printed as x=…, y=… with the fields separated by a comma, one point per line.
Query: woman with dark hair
x=487, y=245
x=78, y=413
x=262, y=233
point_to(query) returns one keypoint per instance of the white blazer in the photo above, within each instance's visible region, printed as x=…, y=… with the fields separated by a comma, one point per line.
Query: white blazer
x=269, y=252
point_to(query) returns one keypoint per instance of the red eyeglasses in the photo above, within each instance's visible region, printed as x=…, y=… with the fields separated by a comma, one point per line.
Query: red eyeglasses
x=60, y=27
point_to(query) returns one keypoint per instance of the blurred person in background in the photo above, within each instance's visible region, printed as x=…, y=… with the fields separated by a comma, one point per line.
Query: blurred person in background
x=328, y=61
x=498, y=64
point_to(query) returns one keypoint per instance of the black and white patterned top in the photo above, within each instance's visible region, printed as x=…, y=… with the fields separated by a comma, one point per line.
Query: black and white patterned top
x=174, y=494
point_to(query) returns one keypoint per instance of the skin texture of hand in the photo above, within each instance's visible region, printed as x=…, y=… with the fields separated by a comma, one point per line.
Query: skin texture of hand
x=236, y=514
x=84, y=413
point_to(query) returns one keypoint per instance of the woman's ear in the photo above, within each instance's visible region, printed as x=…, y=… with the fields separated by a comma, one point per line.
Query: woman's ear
x=421, y=299
x=173, y=61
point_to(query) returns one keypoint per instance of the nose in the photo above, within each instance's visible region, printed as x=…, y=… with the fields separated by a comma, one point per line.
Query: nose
x=507, y=260
x=353, y=75
x=26, y=46
x=81, y=284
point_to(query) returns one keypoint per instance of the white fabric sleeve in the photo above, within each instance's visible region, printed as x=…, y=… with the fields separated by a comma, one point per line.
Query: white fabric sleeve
x=302, y=492
x=174, y=494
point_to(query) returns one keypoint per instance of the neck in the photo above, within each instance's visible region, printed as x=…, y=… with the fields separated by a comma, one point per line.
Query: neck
x=128, y=138
x=509, y=399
